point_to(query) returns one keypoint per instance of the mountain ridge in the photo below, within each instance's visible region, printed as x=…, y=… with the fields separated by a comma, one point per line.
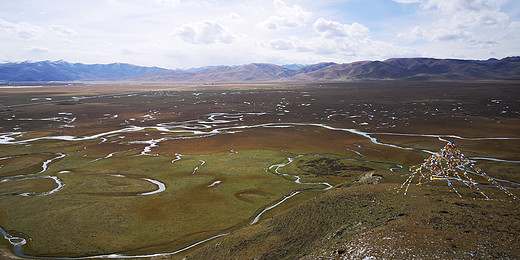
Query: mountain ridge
x=395, y=68
x=65, y=71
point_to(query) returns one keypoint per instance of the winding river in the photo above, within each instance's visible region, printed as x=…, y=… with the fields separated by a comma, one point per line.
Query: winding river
x=214, y=124
x=34, y=176
x=294, y=193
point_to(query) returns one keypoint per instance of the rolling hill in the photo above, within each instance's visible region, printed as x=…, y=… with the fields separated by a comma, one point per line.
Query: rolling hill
x=396, y=68
x=65, y=71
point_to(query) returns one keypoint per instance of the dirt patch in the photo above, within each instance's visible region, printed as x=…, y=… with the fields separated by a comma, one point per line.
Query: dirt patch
x=369, y=178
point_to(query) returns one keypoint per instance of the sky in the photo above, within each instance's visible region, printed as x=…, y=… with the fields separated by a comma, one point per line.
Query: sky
x=186, y=34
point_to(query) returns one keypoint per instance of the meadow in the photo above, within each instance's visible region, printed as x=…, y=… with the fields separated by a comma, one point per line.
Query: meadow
x=253, y=170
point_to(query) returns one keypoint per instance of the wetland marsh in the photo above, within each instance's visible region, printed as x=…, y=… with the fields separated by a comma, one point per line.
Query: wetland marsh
x=170, y=171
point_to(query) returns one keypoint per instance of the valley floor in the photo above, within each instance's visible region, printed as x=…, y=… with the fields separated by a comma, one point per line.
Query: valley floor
x=264, y=171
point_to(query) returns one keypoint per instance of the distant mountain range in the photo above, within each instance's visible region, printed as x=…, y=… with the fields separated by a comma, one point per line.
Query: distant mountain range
x=65, y=71
x=398, y=68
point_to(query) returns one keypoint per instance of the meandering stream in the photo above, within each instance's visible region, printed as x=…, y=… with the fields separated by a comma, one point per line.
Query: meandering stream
x=294, y=193
x=214, y=124
x=34, y=176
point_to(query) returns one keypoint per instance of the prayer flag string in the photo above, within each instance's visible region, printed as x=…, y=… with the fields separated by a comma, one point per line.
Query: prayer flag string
x=449, y=164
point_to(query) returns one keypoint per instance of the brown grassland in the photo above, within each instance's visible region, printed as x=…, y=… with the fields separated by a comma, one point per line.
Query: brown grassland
x=81, y=169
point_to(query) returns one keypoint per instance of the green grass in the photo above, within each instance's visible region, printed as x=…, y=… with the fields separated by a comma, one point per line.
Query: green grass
x=94, y=207
x=23, y=164
x=29, y=185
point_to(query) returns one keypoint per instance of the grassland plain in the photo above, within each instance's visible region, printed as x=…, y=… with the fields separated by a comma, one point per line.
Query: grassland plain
x=104, y=152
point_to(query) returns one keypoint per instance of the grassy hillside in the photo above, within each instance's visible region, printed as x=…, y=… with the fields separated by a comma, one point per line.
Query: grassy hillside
x=374, y=221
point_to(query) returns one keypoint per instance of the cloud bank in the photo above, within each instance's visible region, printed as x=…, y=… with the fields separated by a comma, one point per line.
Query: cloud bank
x=184, y=34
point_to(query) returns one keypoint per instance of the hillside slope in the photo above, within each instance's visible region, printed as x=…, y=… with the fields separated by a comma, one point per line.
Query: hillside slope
x=402, y=68
x=65, y=71
x=398, y=68
x=376, y=223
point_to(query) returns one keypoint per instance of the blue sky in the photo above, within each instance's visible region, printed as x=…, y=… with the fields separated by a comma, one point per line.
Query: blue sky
x=184, y=34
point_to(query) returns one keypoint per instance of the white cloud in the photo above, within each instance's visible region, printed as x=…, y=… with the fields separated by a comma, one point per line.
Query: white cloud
x=458, y=20
x=462, y=5
x=22, y=30
x=66, y=40
x=287, y=17
x=63, y=30
x=169, y=3
x=37, y=49
x=204, y=32
x=477, y=29
x=407, y=1
x=281, y=44
x=182, y=33
x=233, y=17
x=469, y=13
x=337, y=42
x=438, y=34
x=449, y=34
x=334, y=29
x=513, y=31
